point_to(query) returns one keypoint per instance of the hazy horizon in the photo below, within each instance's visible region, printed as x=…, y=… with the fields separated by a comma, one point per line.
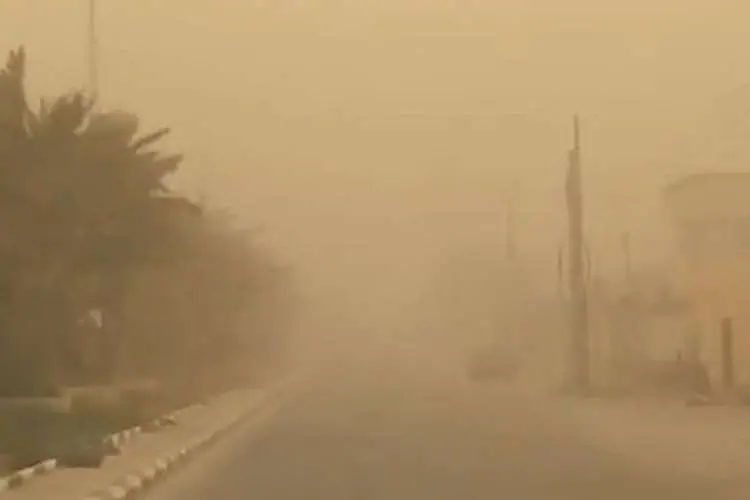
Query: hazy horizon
x=371, y=140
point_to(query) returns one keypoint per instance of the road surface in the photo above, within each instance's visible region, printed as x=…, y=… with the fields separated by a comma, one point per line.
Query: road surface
x=385, y=433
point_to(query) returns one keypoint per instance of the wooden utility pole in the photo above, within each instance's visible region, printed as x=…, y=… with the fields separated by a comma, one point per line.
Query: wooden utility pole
x=580, y=345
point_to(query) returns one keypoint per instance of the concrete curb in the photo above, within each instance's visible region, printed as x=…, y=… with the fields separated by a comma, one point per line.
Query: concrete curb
x=116, y=441
x=21, y=477
x=120, y=439
x=138, y=483
x=135, y=484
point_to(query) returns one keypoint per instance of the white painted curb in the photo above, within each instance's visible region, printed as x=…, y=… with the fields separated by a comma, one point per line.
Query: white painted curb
x=116, y=440
x=21, y=477
x=135, y=484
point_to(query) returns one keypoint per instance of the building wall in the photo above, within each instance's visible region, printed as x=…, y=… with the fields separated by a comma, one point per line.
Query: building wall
x=710, y=218
x=631, y=335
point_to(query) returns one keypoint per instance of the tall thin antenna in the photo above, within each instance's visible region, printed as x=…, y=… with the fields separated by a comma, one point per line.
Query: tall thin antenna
x=92, y=52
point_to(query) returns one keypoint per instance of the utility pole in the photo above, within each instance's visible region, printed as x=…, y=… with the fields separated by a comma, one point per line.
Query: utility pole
x=627, y=256
x=92, y=49
x=727, y=353
x=510, y=231
x=561, y=272
x=580, y=345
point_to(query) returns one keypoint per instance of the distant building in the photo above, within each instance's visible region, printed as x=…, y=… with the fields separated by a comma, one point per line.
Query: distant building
x=638, y=327
x=710, y=216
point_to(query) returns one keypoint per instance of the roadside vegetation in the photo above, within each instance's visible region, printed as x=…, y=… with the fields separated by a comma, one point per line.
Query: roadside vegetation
x=119, y=298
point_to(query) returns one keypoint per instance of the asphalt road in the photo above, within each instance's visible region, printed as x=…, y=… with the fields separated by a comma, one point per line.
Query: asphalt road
x=383, y=432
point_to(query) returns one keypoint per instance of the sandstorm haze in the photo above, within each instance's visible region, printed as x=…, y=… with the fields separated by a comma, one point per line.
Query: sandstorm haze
x=371, y=141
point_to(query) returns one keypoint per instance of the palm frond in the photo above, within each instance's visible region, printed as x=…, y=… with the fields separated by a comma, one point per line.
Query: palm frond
x=12, y=95
x=15, y=65
x=118, y=126
x=180, y=204
x=150, y=139
x=68, y=114
x=166, y=165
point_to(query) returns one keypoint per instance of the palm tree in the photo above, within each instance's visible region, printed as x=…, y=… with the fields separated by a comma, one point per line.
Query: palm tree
x=84, y=199
x=87, y=220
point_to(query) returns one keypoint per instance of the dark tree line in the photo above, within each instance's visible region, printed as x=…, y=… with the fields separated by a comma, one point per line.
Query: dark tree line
x=89, y=223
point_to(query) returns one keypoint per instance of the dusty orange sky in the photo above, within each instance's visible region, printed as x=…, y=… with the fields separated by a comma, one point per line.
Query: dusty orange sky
x=370, y=138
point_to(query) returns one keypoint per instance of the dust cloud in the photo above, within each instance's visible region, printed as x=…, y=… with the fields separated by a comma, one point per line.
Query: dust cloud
x=376, y=146
x=406, y=160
